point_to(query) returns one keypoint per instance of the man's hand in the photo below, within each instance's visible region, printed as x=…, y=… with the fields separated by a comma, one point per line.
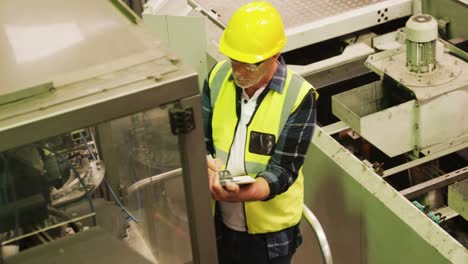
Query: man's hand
x=228, y=193
x=231, y=192
x=257, y=191
x=217, y=190
x=214, y=165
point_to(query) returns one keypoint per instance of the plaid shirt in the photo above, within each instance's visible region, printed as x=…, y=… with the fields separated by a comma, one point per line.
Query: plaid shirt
x=289, y=153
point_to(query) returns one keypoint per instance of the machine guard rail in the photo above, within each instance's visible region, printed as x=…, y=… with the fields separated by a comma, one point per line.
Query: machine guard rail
x=319, y=234
x=308, y=215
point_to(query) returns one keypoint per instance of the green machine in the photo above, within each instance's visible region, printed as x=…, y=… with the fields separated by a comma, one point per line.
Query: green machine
x=387, y=180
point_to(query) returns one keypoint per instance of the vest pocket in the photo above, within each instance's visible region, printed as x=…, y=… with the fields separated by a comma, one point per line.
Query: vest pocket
x=261, y=143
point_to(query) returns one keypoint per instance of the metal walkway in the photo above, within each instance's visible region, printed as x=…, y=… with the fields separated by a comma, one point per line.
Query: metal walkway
x=311, y=21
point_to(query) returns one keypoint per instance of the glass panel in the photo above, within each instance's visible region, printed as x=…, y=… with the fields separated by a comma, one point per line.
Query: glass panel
x=46, y=188
x=150, y=173
x=42, y=199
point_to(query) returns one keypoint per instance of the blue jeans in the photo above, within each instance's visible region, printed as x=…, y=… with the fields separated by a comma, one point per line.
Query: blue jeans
x=236, y=247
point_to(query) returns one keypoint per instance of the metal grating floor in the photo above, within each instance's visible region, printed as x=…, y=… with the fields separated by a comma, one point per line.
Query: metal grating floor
x=294, y=12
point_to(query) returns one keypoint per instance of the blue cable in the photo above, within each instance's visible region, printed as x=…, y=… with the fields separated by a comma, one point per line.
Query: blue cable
x=118, y=201
x=108, y=185
x=130, y=174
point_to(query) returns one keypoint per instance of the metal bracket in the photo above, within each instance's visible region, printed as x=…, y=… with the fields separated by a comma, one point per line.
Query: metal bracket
x=181, y=119
x=416, y=132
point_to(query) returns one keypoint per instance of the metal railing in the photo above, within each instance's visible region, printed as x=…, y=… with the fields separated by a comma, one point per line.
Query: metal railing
x=307, y=213
x=153, y=179
x=319, y=234
x=208, y=13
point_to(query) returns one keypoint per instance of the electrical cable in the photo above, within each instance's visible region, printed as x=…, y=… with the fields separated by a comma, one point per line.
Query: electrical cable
x=118, y=201
x=130, y=174
x=88, y=196
x=109, y=186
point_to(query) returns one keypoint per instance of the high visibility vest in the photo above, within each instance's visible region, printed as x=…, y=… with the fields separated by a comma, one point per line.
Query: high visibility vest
x=285, y=209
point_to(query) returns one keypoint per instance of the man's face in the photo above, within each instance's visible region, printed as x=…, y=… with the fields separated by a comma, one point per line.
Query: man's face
x=247, y=75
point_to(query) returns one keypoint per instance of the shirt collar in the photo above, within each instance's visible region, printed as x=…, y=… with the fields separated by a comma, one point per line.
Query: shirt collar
x=278, y=80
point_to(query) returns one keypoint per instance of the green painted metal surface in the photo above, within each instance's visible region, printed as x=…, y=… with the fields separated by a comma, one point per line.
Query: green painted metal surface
x=452, y=10
x=389, y=127
x=186, y=36
x=458, y=197
x=364, y=218
x=421, y=125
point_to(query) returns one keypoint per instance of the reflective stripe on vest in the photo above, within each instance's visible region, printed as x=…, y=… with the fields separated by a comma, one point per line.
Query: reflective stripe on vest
x=218, y=75
x=284, y=210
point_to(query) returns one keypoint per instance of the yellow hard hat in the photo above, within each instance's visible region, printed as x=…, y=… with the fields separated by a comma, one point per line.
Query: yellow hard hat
x=254, y=33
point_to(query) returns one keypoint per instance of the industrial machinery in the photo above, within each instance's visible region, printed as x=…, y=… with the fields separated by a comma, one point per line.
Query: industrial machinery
x=93, y=106
x=386, y=170
x=93, y=109
x=409, y=128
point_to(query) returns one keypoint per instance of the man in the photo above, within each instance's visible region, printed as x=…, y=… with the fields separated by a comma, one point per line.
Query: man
x=259, y=119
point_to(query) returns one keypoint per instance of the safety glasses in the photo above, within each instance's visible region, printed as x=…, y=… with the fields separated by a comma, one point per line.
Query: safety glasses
x=252, y=67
